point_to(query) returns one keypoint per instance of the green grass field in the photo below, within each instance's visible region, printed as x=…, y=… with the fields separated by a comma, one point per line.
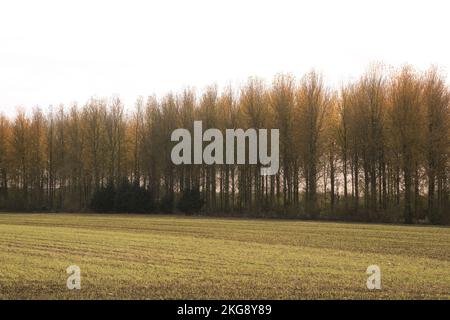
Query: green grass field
x=171, y=257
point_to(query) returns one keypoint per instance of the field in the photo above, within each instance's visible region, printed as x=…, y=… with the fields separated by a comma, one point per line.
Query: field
x=173, y=257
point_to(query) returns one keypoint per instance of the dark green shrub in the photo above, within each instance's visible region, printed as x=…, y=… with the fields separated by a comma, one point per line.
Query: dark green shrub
x=191, y=202
x=127, y=197
x=103, y=199
x=167, y=203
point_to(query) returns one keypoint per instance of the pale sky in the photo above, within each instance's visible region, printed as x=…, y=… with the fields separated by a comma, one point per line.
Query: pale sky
x=54, y=52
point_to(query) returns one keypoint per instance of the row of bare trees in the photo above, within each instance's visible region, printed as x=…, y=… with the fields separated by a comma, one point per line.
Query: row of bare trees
x=375, y=150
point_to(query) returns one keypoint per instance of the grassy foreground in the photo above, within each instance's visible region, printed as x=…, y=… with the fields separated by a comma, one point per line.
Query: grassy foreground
x=169, y=257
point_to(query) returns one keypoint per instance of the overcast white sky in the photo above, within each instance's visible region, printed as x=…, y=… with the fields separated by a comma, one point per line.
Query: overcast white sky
x=55, y=52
